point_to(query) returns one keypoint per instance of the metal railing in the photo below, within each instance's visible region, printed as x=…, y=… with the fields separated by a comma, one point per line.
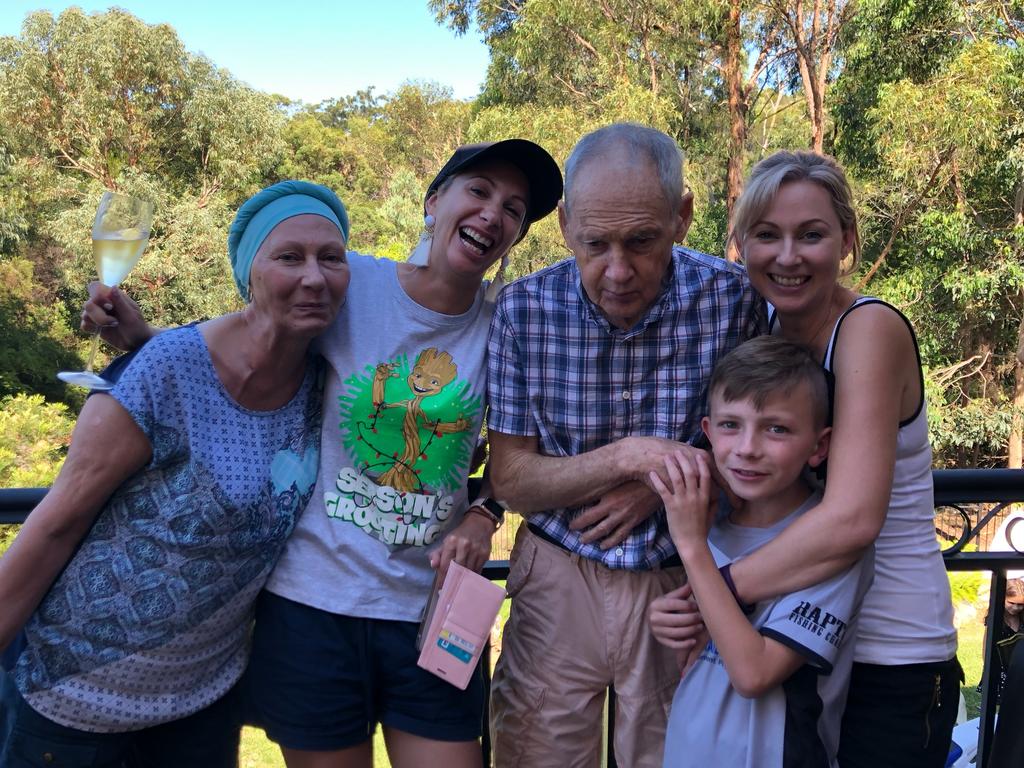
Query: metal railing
x=964, y=492
x=968, y=491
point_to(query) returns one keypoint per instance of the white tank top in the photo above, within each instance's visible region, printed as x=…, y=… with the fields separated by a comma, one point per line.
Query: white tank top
x=907, y=616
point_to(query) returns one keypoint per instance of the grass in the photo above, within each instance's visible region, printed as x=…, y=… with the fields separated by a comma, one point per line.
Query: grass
x=259, y=752
x=971, y=654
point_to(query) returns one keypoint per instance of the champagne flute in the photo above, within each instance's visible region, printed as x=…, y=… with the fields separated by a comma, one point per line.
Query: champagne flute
x=120, y=232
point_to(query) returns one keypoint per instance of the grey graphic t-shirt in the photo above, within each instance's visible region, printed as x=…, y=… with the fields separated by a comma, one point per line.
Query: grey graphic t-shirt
x=403, y=405
x=150, y=620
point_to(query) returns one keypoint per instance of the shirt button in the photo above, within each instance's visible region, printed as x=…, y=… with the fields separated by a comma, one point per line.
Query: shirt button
x=626, y=395
x=620, y=551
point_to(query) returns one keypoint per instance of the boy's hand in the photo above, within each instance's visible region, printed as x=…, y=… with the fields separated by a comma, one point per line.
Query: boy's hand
x=687, y=497
x=676, y=621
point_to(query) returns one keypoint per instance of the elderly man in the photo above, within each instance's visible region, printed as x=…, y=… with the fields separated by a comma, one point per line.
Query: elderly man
x=597, y=369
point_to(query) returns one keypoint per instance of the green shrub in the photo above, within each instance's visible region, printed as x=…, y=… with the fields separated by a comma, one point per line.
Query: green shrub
x=965, y=586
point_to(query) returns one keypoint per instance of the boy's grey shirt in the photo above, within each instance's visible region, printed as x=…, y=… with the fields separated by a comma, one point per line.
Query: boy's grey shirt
x=797, y=723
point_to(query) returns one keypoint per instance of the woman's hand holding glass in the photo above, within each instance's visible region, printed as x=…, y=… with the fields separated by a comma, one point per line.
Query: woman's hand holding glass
x=117, y=319
x=120, y=232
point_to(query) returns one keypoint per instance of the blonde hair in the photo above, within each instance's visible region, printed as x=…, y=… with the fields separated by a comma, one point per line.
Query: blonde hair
x=784, y=167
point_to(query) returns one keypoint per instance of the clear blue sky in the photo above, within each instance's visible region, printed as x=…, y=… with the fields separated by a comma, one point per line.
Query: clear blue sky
x=306, y=49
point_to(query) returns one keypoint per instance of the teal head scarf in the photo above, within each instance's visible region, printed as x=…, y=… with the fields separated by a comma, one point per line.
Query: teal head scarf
x=268, y=208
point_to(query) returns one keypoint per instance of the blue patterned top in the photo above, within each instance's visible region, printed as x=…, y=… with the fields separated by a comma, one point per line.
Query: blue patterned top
x=150, y=620
x=557, y=369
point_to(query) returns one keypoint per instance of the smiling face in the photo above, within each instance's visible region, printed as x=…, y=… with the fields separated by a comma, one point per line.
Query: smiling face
x=432, y=372
x=478, y=216
x=794, y=250
x=300, y=274
x=761, y=452
x=621, y=228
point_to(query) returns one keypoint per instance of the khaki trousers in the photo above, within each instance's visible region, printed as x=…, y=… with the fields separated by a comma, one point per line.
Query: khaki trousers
x=575, y=628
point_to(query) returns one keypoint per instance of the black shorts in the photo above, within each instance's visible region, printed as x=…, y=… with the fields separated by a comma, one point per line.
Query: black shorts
x=900, y=715
x=318, y=681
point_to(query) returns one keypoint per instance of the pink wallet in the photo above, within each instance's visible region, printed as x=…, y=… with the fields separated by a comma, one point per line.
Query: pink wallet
x=457, y=625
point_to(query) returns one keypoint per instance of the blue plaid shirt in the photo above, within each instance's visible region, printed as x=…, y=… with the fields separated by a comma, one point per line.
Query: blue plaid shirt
x=559, y=370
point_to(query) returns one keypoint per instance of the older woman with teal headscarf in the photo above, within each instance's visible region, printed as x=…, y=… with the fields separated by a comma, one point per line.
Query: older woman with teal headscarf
x=135, y=577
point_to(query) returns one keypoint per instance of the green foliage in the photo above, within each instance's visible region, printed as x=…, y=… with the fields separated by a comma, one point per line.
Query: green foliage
x=105, y=100
x=710, y=227
x=104, y=94
x=13, y=222
x=955, y=117
x=887, y=41
x=961, y=284
x=34, y=436
x=927, y=101
x=936, y=139
x=965, y=586
x=184, y=273
x=35, y=341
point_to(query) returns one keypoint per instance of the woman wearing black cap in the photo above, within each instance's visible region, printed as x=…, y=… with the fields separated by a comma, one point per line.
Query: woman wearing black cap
x=334, y=649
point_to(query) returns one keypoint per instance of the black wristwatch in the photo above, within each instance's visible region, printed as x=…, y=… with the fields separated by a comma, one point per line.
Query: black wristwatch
x=492, y=508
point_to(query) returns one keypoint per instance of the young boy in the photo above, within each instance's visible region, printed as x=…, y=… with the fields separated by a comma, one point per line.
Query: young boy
x=767, y=690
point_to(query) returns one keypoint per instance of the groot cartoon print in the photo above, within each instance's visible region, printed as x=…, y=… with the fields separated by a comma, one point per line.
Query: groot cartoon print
x=432, y=372
x=409, y=432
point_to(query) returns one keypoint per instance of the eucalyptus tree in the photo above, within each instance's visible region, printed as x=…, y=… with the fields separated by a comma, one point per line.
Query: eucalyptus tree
x=937, y=147
x=104, y=100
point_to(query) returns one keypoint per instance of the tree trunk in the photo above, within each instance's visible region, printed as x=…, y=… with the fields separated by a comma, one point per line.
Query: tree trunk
x=737, y=115
x=814, y=34
x=1015, y=447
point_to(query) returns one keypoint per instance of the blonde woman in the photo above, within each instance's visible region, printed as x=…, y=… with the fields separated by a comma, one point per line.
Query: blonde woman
x=796, y=229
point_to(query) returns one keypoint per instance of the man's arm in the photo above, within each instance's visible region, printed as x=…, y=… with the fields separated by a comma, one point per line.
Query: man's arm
x=107, y=447
x=529, y=481
x=611, y=475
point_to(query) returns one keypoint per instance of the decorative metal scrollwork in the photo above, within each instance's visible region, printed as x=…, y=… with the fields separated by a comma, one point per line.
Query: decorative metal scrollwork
x=955, y=529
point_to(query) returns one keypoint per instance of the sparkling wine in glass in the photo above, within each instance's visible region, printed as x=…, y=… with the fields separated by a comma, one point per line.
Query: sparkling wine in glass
x=120, y=232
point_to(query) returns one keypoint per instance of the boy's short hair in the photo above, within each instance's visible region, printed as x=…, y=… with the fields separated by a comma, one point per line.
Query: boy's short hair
x=767, y=365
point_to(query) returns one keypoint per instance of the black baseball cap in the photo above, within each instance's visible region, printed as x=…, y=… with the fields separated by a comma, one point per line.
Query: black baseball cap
x=541, y=171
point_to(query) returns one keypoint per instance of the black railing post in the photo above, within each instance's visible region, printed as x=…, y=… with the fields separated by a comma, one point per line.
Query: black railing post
x=16, y=503
x=990, y=675
x=609, y=759
x=485, y=740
